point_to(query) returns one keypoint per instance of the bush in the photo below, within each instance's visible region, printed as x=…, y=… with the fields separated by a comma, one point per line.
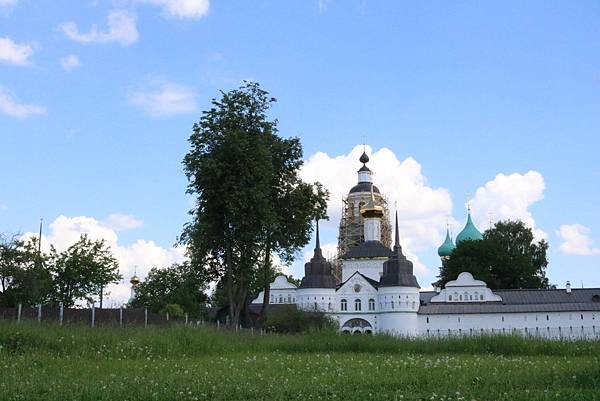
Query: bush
x=174, y=310
x=289, y=319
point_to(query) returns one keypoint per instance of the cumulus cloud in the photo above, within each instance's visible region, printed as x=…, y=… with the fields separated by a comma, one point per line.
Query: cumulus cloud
x=121, y=28
x=509, y=197
x=422, y=209
x=140, y=256
x=15, y=53
x=70, y=62
x=183, y=9
x=576, y=240
x=121, y=222
x=10, y=106
x=165, y=99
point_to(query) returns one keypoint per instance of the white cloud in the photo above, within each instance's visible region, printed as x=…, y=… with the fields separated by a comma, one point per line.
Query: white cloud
x=422, y=210
x=15, y=53
x=11, y=106
x=192, y=9
x=7, y=3
x=121, y=222
x=576, y=240
x=139, y=256
x=121, y=28
x=509, y=197
x=165, y=99
x=70, y=62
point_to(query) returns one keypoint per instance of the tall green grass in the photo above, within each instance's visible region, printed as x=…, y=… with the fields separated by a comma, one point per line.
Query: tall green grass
x=52, y=363
x=191, y=341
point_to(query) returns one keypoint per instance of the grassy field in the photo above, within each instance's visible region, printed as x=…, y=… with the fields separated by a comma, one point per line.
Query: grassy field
x=76, y=363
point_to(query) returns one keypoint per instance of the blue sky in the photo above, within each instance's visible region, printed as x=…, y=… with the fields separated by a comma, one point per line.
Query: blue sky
x=468, y=90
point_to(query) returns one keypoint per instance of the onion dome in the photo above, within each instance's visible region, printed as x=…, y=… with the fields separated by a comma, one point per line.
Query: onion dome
x=397, y=270
x=134, y=280
x=371, y=210
x=364, y=158
x=469, y=233
x=318, y=272
x=447, y=247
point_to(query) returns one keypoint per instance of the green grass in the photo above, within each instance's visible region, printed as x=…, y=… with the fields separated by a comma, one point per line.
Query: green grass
x=78, y=363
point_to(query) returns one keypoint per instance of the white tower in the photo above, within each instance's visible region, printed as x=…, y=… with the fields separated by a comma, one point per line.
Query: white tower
x=398, y=294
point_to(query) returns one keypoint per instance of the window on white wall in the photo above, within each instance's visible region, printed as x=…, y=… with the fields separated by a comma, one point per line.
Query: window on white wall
x=357, y=305
x=344, y=305
x=371, y=304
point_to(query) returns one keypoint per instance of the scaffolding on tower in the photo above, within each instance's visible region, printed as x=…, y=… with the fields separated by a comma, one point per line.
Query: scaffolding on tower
x=351, y=230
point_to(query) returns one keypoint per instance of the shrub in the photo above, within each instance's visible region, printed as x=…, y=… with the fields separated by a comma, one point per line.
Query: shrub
x=174, y=310
x=289, y=319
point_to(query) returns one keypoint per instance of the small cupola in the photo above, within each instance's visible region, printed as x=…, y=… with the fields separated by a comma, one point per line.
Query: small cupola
x=445, y=250
x=470, y=232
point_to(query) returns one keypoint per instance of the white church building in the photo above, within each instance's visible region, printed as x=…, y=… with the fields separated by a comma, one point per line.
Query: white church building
x=379, y=293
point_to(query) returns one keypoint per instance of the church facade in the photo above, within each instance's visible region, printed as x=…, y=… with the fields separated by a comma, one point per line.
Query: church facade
x=379, y=293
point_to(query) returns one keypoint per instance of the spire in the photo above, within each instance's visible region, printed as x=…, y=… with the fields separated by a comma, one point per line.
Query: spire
x=318, y=254
x=397, y=246
x=318, y=271
x=397, y=270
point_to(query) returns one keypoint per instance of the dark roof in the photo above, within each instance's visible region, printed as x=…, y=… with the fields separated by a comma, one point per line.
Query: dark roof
x=368, y=249
x=364, y=187
x=364, y=168
x=513, y=301
x=397, y=270
x=318, y=272
x=374, y=283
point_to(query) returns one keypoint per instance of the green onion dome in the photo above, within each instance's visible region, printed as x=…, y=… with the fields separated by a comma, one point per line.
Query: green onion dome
x=447, y=247
x=469, y=233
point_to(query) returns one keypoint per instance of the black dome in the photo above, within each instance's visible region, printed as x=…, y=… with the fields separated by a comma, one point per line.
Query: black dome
x=364, y=187
x=364, y=158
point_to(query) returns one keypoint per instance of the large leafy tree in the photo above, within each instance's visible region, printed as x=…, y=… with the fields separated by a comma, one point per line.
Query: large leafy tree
x=179, y=284
x=83, y=270
x=250, y=201
x=23, y=275
x=507, y=257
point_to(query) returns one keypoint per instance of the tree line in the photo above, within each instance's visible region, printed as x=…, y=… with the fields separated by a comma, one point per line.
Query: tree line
x=30, y=277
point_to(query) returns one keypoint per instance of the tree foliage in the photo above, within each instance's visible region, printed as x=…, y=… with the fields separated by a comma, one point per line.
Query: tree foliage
x=82, y=271
x=507, y=257
x=23, y=275
x=250, y=200
x=179, y=284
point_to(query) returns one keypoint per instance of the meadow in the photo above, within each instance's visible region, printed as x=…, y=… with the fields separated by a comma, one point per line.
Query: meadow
x=49, y=362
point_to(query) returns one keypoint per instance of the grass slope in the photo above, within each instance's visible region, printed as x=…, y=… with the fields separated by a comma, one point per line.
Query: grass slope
x=77, y=363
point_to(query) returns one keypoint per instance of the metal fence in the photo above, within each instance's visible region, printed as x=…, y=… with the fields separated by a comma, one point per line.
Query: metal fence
x=555, y=333
x=91, y=316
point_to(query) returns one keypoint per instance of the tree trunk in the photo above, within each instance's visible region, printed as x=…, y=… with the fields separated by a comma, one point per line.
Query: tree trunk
x=267, y=291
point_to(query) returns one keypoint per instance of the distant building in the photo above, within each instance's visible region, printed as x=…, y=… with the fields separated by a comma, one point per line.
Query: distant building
x=376, y=290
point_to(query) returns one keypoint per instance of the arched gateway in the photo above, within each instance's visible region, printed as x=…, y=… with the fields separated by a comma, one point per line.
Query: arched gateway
x=357, y=326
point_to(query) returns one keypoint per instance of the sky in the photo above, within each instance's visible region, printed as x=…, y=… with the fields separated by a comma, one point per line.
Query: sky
x=497, y=102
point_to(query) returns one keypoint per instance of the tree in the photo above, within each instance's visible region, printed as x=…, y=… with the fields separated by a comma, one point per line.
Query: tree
x=23, y=275
x=250, y=201
x=507, y=257
x=179, y=284
x=83, y=270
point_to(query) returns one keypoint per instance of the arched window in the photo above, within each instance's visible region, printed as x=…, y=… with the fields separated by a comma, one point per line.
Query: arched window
x=371, y=304
x=449, y=297
x=481, y=297
x=316, y=307
x=344, y=305
x=460, y=297
x=357, y=305
x=392, y=304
